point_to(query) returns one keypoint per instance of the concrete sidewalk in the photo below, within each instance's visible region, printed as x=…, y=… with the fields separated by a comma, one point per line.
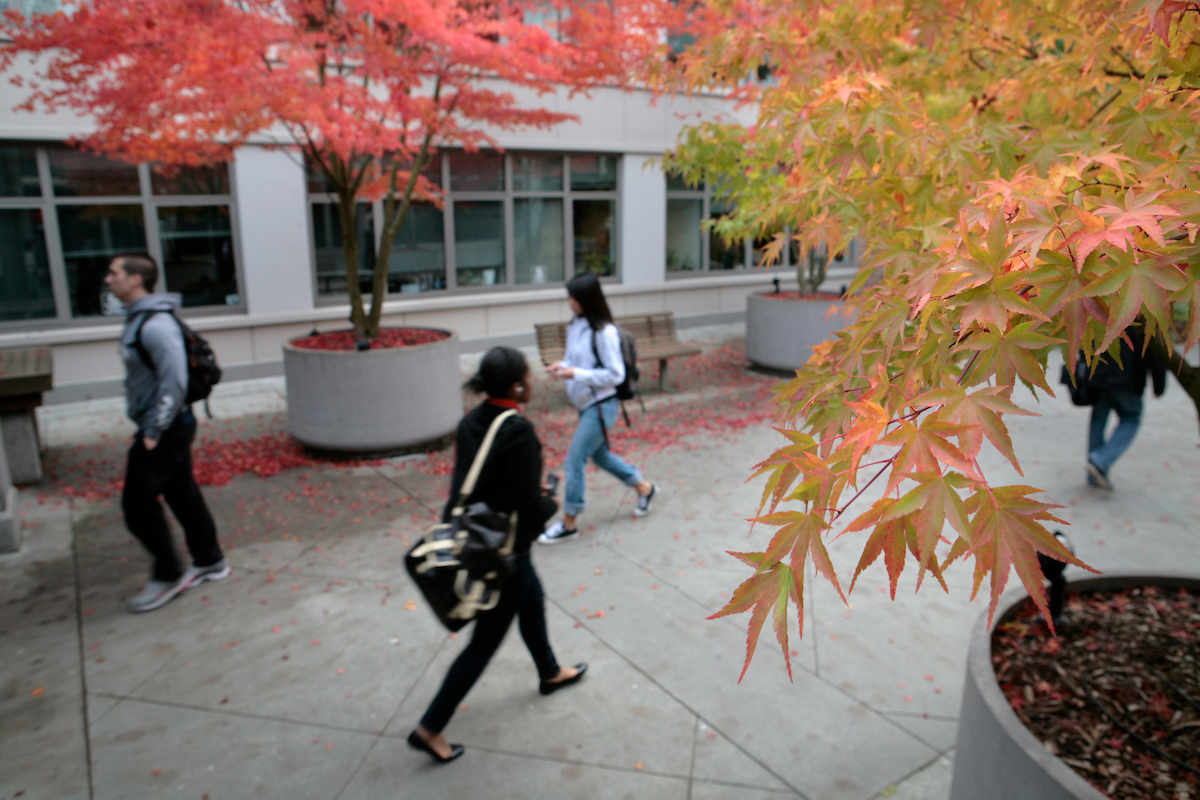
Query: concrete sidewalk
x=300, y=676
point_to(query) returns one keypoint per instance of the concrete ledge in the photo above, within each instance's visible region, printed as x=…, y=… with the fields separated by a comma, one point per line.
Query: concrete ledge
x=10, y=523
x=22, y=446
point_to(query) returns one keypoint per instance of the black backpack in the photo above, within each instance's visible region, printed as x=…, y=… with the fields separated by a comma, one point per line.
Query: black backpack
x=203, y=372
x=626, y=389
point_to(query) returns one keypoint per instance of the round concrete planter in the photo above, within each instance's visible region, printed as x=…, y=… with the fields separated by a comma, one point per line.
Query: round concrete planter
x=780, y=333
x=996, y=757
x=374, y=401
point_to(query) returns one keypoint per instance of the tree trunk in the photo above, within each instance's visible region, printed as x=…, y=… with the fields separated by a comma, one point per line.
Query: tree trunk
x=347, y=216
x=394, y=213
x=1187, y=375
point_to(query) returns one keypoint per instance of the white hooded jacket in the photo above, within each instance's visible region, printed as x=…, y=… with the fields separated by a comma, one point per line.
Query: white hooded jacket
x=593, y=381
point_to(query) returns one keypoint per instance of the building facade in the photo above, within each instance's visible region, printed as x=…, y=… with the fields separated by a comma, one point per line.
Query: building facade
x=254, y=248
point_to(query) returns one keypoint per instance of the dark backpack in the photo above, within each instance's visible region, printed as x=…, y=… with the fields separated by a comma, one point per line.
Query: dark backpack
x=626, y=389
x=1083, y=392
x=203, y=372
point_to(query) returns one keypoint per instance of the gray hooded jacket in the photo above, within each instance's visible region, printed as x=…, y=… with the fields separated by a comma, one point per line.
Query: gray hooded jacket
x=154, y=395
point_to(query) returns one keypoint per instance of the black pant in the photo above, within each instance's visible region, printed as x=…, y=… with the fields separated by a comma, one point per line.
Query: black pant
x=521, y=597
x=167, y=470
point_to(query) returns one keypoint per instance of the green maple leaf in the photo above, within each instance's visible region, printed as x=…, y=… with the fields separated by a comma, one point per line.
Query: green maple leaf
x=1060, y=289
x=782, y=468
x=1006, y=355
x=1135, y=288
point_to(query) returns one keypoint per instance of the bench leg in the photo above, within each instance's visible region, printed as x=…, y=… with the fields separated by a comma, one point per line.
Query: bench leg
x=662, y=373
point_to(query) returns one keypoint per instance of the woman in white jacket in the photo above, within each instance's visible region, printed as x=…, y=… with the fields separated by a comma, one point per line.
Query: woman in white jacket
x=592, y=368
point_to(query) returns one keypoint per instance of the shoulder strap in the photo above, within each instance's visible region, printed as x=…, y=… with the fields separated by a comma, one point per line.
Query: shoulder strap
x=477, y=465
x=137, y=338
x=596, y=351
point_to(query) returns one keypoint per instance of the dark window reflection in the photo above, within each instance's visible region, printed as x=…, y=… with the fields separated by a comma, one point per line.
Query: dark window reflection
x=722, y=254
x=197, y=247
x=91, y=236
x=24, y=267
x=418, y=259
x=190, y=180
x=75, y=173
x=327, y=242
x=18, y=172
x=479, y=243
x=593, y=173
x=476, y=172
x=595, y=245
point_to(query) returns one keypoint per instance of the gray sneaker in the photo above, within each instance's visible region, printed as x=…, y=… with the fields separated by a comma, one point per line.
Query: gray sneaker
x=213, y=572
x=156, y=594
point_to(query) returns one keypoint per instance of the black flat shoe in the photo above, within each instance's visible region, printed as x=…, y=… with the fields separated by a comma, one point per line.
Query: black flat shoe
x=550, y=687
x=417, y=743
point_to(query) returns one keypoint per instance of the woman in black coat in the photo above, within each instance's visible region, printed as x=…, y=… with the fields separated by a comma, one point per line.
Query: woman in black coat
x=511, y=481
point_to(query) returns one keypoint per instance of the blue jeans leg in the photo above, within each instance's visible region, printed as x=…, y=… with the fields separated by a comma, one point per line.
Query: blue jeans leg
x=1129, y=414
x=588, y=442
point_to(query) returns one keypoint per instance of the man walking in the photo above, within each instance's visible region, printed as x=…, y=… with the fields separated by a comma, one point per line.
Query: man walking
x=1119, y=388
x=160, y=460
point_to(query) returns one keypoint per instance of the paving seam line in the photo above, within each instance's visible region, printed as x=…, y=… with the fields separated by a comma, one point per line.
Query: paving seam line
x=637, y=668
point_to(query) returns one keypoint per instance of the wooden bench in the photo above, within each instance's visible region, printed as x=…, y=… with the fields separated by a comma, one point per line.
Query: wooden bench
x=654, y=334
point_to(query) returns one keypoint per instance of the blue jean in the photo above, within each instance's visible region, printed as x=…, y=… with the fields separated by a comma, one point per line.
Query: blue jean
x=1128, y=406
x=588, y=442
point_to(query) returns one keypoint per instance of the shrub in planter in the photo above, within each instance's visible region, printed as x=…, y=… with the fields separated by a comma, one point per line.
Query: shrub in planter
x=1105, y=709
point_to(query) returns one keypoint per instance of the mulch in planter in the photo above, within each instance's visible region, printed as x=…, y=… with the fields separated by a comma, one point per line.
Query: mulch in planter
x=794, y=295
x=1116, y=695
x=387, y=338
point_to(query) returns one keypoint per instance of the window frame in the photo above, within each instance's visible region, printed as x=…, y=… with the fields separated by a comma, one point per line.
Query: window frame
x=149, y=203
x=507, y=197
x=750, y=260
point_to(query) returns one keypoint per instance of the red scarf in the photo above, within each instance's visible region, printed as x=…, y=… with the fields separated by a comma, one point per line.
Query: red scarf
x=502, y=402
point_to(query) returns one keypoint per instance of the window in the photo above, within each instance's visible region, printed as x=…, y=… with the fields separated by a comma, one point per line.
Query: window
x=65, y=213
x=690, y=248
x=508, y=219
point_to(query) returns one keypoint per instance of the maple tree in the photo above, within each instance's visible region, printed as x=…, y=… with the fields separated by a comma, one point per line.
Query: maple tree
x=367, y=90
x=1024, y=175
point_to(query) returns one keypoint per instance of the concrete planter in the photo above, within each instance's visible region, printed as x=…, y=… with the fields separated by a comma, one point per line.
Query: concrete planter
x=996, y=757
x=780, y=333
x=377, y=401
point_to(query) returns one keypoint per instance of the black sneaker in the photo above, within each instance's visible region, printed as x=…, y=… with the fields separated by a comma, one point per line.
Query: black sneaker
x=644, y=501
x=1099, y=477
x=557, y=532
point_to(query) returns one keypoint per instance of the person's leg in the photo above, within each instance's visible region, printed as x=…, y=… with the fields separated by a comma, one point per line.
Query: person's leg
x=1129, y=413
x=145, y=475
x=531, y=618
x=490, y=628
x=1099, y=420
x=588, y=436
x=612, y=463
x=187, y=503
